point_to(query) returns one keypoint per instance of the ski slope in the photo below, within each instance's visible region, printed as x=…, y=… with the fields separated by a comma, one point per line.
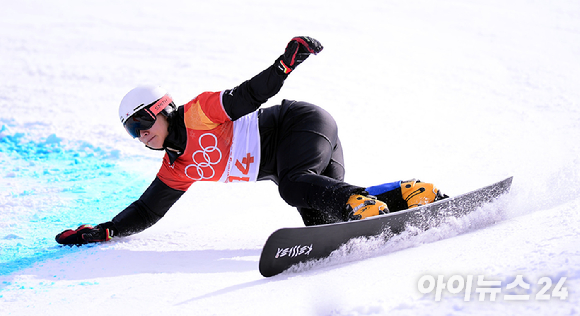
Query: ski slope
x=458, y=93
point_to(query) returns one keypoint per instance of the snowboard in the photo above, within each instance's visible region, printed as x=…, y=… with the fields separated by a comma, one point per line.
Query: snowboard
x=289, y=246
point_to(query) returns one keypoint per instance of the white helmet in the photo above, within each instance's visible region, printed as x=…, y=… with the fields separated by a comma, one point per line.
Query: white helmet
x=139, y=108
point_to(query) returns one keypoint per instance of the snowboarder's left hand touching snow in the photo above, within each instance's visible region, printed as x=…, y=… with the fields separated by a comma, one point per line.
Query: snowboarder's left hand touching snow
x=85, y=234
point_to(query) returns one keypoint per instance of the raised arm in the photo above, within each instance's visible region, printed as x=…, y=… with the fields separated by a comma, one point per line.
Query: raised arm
x=251, y=94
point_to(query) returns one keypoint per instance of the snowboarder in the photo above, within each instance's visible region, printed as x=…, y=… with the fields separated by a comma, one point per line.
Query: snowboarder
x=224, y=136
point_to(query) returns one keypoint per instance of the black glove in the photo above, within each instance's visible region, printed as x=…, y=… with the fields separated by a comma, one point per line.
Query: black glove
x=297, y=50
x=86, y=234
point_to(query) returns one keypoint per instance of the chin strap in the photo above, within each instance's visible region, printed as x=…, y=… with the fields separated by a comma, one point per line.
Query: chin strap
x=159, y=149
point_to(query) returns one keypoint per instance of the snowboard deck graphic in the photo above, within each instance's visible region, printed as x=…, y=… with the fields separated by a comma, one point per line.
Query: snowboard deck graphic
x=289, y=246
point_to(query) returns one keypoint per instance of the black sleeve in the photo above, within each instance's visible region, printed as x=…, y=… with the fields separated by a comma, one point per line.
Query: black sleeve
x=147, y=210
x=251, y=94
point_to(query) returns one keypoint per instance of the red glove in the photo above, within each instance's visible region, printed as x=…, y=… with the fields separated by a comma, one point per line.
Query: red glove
x=86, y=234
x=297, y=50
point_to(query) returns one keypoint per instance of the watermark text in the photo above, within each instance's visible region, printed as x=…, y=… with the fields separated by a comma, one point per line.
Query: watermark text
x=477, y=287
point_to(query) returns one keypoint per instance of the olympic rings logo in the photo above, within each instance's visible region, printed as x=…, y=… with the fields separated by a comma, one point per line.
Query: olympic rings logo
x=204, y=167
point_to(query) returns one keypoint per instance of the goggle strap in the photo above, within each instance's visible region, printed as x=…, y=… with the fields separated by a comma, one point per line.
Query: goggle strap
x=150, y=113
x=160, y=105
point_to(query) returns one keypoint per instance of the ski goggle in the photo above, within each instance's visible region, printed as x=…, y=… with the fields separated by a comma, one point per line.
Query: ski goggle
x=144, y=118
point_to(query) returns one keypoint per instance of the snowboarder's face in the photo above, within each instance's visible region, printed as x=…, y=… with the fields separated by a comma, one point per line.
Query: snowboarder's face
x=155, y=136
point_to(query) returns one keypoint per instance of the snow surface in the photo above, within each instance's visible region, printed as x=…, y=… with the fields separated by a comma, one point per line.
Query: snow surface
x=459, y=93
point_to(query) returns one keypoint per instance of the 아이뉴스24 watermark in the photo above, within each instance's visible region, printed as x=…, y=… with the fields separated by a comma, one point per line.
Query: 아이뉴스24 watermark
x=477, y=287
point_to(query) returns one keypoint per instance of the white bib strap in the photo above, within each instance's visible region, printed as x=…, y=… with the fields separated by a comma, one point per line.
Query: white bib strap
x=244, y=161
